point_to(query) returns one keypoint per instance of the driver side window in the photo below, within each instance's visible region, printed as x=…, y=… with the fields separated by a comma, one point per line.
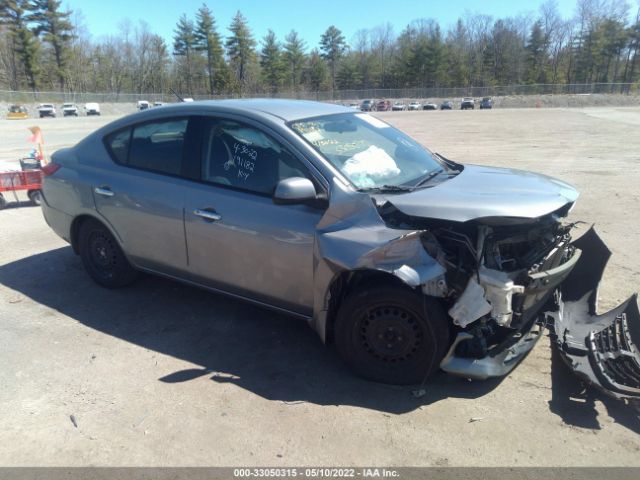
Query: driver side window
x=241, y=156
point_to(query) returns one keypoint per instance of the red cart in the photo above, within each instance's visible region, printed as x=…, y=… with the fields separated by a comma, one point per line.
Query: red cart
x=29, y=179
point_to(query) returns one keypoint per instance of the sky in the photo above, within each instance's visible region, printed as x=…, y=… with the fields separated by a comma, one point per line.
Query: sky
x=309, y=17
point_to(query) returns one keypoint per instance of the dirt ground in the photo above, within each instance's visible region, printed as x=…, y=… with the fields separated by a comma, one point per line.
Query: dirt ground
x=165, y=374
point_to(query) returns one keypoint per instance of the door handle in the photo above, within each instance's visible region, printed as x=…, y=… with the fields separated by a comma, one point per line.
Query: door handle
x=104, y=191
x=207, y=215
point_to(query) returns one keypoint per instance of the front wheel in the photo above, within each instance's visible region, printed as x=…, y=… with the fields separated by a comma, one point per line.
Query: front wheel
x=392, y=334
x=3, y=202
x=102, y=257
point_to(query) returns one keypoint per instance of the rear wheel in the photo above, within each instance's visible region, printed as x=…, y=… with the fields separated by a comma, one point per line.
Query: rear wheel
x=35, y=196
x=3, y=202
x=391, y=334
x=102, y=257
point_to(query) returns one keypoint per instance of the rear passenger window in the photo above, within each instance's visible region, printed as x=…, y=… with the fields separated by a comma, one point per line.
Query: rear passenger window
x=118, y=144
x=158, y=146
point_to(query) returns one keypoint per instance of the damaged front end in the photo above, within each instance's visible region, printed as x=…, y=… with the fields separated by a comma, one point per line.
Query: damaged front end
x=502, y=279
x=508, y=279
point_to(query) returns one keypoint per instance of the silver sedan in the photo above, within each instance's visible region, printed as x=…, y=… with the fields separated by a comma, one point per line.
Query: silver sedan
x=407, y=261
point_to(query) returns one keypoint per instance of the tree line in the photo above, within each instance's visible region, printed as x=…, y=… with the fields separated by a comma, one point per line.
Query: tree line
x=44, y=47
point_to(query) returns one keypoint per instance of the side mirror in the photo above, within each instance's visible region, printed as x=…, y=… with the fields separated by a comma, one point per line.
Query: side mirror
x=294, y=190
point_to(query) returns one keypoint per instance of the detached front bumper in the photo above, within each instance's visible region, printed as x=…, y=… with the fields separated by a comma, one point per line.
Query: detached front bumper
x=600, y=349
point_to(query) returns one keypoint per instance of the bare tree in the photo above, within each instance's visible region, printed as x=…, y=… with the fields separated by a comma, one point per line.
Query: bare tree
x=381, y=41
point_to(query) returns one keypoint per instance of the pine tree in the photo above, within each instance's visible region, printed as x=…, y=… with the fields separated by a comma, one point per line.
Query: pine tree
x=15, y=15
x=56, y=30
x=273, y=68
x=348, y=77
x=332, y=46
x=536, y=49
x=317, y=71
x=240, y=47
x=208, y=40
x=184, y=43
x=294, y=57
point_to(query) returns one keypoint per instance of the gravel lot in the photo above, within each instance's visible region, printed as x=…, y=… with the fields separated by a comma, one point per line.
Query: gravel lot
x=165, y=374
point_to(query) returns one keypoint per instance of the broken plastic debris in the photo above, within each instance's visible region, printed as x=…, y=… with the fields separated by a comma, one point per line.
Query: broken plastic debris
x=470, y=306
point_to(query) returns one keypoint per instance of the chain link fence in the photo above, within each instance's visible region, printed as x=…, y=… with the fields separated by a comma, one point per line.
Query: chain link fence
x=9, y=96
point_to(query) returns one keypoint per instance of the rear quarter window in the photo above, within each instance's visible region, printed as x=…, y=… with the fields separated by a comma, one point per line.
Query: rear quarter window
x=118, y=145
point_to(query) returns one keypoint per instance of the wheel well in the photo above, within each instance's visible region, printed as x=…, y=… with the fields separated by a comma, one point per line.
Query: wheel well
x=75, y=230
x=348, y=281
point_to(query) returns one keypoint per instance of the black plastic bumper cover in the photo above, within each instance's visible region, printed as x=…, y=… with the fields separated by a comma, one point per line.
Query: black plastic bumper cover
x=600, y=349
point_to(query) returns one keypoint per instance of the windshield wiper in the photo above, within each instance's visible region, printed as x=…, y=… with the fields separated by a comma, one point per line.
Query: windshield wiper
x=429, y=176
x=386, y=189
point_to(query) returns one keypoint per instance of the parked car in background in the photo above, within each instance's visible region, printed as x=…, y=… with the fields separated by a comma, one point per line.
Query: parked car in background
x=383, y=105
x=17, y=112
x=92, y=108
x=69, y=110
x=158, y=104
x=399, y=107
x=380, y=245
x=467, y=103
x=368, y=105
x=46, y=110
x=446, y=105
x=429, y=106
x=187, y=99
x=143, y=105
x=415, y=106
x=486, y=103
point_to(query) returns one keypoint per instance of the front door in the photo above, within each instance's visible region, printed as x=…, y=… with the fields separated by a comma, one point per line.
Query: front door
x=237, y=238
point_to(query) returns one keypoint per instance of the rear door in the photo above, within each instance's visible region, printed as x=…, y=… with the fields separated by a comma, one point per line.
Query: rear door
x=237, y=238
x=142, y=194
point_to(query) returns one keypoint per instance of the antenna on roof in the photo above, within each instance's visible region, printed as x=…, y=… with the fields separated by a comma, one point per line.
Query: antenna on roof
x=174, y=92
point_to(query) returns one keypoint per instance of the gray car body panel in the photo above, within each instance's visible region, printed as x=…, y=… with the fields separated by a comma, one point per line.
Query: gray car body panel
x=481, y=192
x=286, y=257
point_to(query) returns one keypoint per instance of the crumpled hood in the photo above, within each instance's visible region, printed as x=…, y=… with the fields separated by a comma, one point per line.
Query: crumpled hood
x=480, y=192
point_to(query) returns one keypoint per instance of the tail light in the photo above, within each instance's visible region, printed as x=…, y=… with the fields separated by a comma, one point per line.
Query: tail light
x=50, y=168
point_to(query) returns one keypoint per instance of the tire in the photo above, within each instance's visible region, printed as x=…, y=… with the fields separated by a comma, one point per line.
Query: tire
x=102, y=257
x=3, y=202
x=35, y=196
x=391, y=334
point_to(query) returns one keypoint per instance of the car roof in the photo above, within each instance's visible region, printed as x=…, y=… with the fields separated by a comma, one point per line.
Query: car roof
x=287, y=110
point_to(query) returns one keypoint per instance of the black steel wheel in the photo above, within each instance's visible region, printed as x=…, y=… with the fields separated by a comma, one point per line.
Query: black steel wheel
x=102, y=257
x=35, y=196
x=391, y=334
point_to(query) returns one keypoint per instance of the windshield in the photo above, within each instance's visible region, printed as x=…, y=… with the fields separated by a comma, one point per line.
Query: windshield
x=369, y=152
